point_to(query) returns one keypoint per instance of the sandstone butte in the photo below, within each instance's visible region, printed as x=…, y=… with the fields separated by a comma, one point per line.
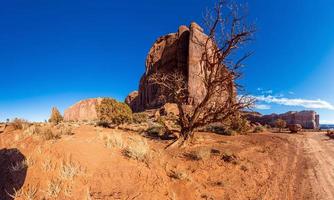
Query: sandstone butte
x=180, y=50
x=308, y=119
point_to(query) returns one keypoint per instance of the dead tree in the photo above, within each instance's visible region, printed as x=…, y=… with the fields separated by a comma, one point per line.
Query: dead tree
x=220, y=68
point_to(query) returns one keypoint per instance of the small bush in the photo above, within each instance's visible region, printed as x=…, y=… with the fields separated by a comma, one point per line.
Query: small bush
x=112, y=111
x=68, y=170
x=65, y=130
x=229, y=157
x=114, y=140
x=139, y=118
x=138, y=150
x=45, y=132
x=258, y=129
x=55, y=116
x=178, y=174
x=19, y=123
x=156, y=130
x=220, y=129
x=200, y=154
x=280, y=124
x=103, y=124
x=239, y=124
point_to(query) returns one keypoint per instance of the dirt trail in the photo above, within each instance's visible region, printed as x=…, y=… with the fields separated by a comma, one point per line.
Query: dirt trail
x=319, y=150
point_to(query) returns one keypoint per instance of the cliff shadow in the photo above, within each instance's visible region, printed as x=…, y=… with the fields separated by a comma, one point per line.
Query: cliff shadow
x=13, y=171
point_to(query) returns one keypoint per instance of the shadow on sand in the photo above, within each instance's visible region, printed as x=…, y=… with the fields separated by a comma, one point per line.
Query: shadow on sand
x=12, y=172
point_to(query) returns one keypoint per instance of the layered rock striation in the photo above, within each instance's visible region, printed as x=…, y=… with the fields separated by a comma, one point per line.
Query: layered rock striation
x=308, y=119
x=84, y=110
x=181, y=51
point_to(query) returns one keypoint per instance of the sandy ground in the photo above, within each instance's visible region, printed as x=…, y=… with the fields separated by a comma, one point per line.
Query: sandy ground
x=319, y=150
x=257, y=166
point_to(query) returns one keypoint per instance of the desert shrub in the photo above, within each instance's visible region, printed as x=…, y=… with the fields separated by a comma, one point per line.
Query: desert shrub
x=178, y=174
x=258, y=129
x=139, y=117
x=239, y=124
x=18, y=123
x=199, y=154
x=155, y=130
x=280, y=124
x=55, y=116
x=138, y=149
x=103, y=124
x=229, y=157
x=69, y=169
x=66, y=130
x=114, y=140
x=220, y=129
x=45, y=132
x=114, y=112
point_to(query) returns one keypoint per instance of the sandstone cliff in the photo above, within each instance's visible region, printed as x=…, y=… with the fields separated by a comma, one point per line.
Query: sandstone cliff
x=83, y=110
x=308, y=119
x=181, y=50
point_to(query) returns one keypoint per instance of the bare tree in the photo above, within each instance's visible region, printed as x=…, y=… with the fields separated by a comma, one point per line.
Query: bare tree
x=220, y=63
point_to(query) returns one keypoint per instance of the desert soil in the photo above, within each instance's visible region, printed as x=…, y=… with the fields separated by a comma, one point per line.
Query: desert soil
x=257, y=166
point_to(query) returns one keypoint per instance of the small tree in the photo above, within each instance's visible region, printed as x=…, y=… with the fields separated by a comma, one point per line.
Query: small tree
x=280, y=124
x=220, y=68
x=55, y=117
x=114, y=112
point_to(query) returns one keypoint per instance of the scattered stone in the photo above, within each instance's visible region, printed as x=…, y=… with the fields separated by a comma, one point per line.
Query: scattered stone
x=295, y=128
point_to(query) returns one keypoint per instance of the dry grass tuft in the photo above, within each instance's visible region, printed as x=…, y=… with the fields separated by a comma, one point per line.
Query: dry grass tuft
x=28, y=192
x=18, y=166
x=54, y=188
x=19, y=123
x=138, y=149
x=114, y=140
x=69, y=169
x=17, y=193
x=47, y=165
x=68, y=191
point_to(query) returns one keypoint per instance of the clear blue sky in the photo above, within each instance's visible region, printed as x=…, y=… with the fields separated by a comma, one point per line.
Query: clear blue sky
x=56, y=52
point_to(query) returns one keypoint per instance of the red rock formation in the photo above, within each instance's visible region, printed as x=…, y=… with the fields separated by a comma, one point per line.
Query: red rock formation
x=83, y=110
x=307, y=119
x=181, y=50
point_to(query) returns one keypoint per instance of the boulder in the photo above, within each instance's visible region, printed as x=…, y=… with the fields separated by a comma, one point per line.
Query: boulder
x=169, y=109
x=132, y=100
x=84, y=110
x=295, y=128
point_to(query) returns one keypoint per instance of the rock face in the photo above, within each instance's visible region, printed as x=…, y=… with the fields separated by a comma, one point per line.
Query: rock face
x=295, y=128
x=182, y=51
x=307, y=119
x=83, y=110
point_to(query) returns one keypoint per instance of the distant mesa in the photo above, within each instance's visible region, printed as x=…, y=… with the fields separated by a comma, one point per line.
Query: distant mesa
x=182, y=51
x=84, y=110
x=308, y=119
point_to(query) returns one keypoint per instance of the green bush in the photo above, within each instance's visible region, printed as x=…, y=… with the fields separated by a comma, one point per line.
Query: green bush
x=139, y=118
x=258, y=129
x=240, y=125
x=114, y=112
x=220, y=129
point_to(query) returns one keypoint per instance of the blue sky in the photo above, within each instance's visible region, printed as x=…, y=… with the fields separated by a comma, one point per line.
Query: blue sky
x=56, y=52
